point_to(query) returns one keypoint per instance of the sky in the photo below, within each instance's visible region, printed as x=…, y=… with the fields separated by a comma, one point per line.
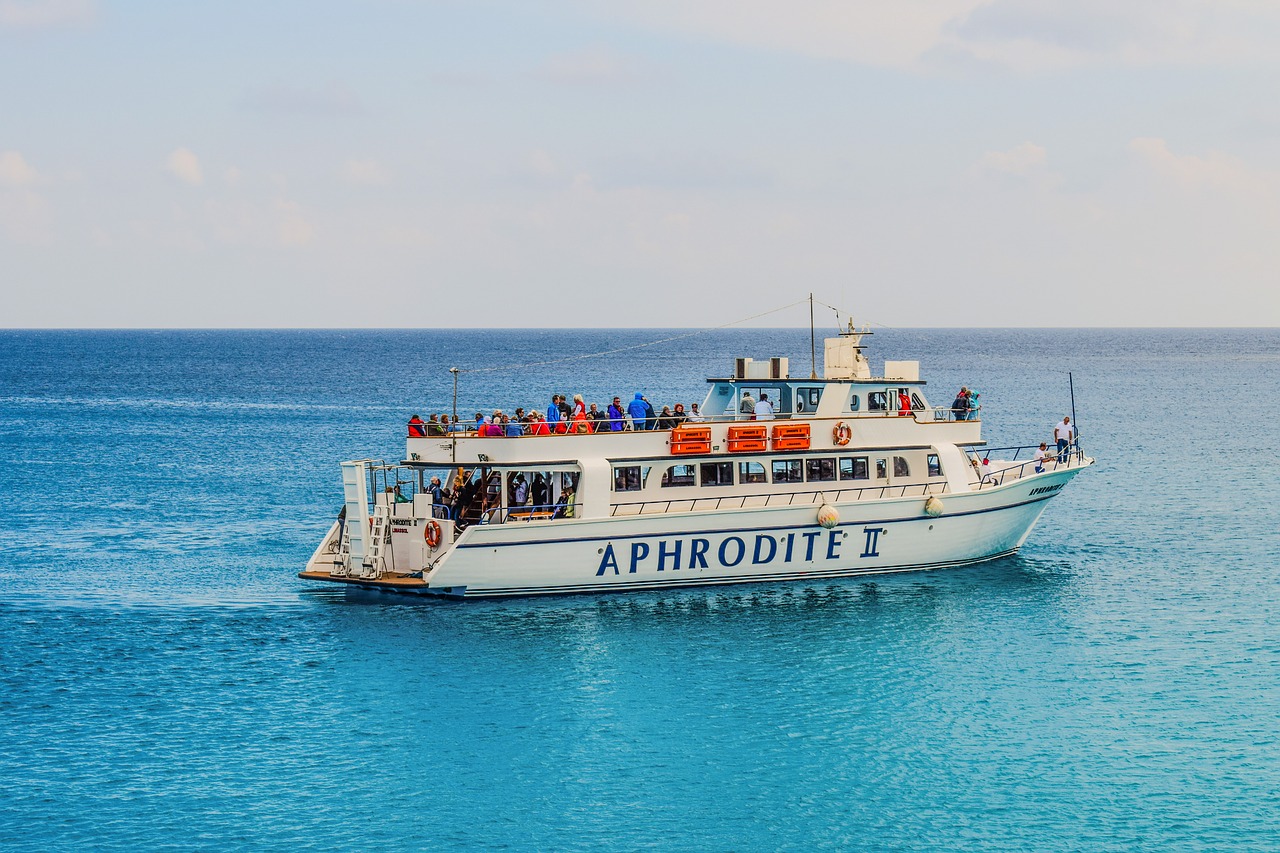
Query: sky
x=671, y=163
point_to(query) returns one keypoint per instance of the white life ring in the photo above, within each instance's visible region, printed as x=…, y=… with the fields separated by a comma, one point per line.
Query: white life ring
x=842, y=434
x=432, y=534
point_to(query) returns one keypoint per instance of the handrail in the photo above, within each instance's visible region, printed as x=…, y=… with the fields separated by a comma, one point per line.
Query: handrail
x=782, y=498
x=1074, y=456
x=530, y=512
x=939, y=415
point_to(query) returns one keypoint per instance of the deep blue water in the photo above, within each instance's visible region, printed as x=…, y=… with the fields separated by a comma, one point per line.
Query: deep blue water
x=167, y=682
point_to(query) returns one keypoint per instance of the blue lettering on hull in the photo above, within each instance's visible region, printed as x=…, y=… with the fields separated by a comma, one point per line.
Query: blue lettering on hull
x=677, y=553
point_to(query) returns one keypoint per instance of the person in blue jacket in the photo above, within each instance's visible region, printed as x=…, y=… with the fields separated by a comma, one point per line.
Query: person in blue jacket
x=553, y=412
x=638, y=409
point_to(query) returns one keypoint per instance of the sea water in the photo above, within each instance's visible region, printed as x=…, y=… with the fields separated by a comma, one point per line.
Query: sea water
x=166, y=681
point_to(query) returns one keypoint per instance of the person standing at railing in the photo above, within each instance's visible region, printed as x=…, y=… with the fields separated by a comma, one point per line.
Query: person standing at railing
x=1063, y=433
x=417, y=427
x=960, y=406
x=764, y=409
x=617, y=420
x=638, y=410
x=599, y=423
x=537, y=426
x=1041, y=455
x=553, y=413
x=695, y=416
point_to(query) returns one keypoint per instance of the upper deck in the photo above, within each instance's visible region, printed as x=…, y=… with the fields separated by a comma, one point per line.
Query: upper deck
x=880, y=412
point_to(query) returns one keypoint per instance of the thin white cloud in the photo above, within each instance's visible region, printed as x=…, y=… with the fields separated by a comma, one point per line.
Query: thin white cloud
x=185, y=165
x=292, y=228
x=1214, y=171
x=1025, y=35
x=46, y=14
x=333, y=99
x=1023, y=160
x=26, y=218
x=365, y=173
x=542, y=163
x=594, y=65
x=14, y=170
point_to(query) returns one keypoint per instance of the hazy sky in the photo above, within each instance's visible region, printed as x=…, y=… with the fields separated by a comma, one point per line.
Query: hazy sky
x=660, y=163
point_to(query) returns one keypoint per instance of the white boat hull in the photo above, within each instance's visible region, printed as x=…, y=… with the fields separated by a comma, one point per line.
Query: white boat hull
x=738, y=546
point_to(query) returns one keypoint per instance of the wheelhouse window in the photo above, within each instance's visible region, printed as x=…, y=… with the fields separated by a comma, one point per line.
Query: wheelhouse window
x=787, y=471
x=626, y=478
x=882, y=469
x=916, y=403
x=807, y=400
x=935, y=466
x=854, y=402
x=717, y=473
x=877, y=401
x=751, y=472
x=819, y=470
x=678, y=475
x=900, y=467
x=853, y=468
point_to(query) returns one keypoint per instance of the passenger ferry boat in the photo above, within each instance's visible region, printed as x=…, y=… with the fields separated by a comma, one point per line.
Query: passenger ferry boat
x=855, y=475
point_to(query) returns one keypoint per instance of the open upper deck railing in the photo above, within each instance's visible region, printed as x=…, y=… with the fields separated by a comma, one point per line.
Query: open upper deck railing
x=602, y=426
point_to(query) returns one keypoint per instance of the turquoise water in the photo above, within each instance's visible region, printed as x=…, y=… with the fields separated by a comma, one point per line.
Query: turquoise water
x=167, y=681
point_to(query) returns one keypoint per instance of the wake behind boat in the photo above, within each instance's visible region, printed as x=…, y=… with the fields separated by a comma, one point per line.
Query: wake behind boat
x=854, y=474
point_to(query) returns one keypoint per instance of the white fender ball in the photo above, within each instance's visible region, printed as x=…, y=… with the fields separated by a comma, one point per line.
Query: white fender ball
x=828, y=516
x=933, y=506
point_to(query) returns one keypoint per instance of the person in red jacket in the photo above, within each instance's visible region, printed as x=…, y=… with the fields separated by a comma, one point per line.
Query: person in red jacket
x=537, y=426
x=417, y=427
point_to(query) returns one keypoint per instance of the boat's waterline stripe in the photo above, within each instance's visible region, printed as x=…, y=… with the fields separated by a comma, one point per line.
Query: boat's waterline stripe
x=638, y=586
x=717, y=532
x=730, y=579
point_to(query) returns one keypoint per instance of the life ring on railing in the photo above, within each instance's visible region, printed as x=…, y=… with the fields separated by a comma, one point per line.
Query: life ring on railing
x=432, y=534
x=842, y=434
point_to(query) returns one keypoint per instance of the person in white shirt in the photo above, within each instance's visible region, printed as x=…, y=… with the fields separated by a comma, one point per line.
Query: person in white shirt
x=1063, y=433
x=764, y=409
x=695, y=416
x=1041, y=455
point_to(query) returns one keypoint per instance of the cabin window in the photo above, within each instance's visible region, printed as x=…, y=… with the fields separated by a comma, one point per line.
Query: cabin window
x=787, y=471
x=627, y=479
x=853, y=468
x=751, y=472
x=819, y=470
x=882, y=469
x=935, y=466
x=916, y=403
x=900, y=468
x=877, y=401
x=854, y=402
x=678, y=475
x=807, y=399
x=717, y=473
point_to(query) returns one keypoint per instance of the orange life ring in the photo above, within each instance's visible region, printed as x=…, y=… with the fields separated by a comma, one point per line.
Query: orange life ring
x=842, y=434
x=432, y=533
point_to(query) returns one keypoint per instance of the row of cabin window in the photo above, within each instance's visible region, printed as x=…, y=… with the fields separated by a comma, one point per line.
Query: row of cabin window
x=881, y=401
x=807, y=400
x=825, y=469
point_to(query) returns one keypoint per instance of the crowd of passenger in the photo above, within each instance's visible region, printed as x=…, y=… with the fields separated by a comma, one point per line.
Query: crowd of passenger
x=562, y=417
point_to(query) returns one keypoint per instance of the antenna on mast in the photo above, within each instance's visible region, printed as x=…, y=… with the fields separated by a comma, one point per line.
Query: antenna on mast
x=813, y=343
